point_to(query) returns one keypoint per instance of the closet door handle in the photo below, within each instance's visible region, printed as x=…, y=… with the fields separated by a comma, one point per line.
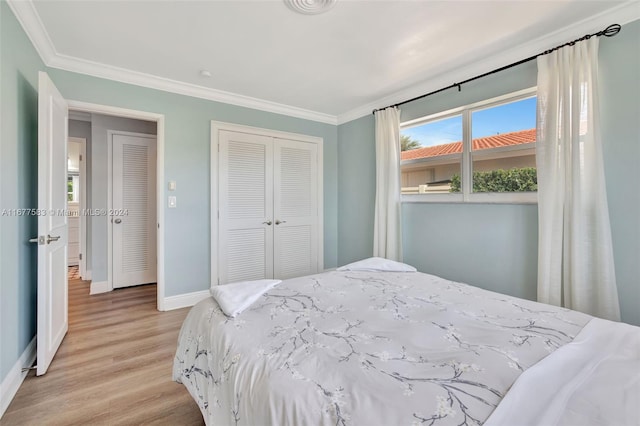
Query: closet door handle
x=278, y=222
x=267, y=222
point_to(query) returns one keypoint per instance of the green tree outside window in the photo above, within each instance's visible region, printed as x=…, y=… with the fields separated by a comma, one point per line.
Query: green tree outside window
x=513, y=180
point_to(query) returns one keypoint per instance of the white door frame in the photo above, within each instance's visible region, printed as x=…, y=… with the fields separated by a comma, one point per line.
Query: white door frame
x=82, y=205
x=159, y=119
x=216, y=127
x=110, y=134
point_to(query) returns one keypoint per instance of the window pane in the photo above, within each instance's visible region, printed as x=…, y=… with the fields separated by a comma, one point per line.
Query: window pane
x=503, y=147
x=431, y=157
x=73, y=188
x=69, y=188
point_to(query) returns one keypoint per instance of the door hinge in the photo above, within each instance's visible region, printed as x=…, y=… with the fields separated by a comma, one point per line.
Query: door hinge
x=80, y=256
x=80, y=157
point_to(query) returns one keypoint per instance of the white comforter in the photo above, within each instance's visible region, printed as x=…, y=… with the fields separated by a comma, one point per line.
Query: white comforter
x=594, y=380
x=365, y=348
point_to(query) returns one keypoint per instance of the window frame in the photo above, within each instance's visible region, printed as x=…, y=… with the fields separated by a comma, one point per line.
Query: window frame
x=466, y=167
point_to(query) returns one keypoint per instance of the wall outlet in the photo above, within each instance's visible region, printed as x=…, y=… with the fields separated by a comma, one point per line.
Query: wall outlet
x=173, y=202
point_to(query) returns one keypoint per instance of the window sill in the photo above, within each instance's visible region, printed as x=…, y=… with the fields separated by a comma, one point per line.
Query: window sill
x=482, y=198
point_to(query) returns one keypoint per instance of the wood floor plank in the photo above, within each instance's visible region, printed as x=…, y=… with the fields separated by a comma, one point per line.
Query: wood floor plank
x=113, y=367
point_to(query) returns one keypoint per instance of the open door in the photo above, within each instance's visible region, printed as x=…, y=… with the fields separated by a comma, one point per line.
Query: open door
x=52, y=221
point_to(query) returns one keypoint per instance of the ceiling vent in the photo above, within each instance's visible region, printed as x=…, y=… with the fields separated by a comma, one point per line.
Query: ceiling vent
x=310, y=7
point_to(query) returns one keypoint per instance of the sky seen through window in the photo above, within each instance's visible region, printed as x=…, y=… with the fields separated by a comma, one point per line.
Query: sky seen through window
x=511, y=117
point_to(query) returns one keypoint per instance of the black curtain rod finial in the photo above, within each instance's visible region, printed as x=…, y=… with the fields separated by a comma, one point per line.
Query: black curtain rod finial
x=610, y=31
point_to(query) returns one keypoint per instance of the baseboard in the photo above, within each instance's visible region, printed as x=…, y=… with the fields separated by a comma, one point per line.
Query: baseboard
x=10, y=385
x=86, y=276
x=185, y=300
x=99, y=287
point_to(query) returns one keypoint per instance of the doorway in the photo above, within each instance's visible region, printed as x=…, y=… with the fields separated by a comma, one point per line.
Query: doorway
x=155, y=228
x=52, y=238
x=76, y=204
x=132, y=209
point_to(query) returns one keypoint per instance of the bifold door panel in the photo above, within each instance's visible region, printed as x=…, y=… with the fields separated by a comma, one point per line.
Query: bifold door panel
x=268, y=208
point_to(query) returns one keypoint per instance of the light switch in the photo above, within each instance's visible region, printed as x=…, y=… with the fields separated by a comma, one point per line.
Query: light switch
x=173, y=202
x=172, y=185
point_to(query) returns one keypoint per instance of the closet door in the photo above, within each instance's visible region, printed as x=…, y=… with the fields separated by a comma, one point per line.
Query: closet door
x=134, y=192
x=245, y=243
x=295, y=208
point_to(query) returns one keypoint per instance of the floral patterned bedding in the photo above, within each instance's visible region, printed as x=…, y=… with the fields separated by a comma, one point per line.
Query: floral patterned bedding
x=365, y=348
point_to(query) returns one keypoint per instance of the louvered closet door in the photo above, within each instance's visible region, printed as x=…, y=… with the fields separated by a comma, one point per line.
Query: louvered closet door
x=295, y=208
x=134, y=198
x=246, y=207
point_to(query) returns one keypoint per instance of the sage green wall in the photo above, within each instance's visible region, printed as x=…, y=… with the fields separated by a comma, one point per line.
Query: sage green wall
x=187, y=161
x=495, y=246
x=19, y=66
x=356, y=189
x=620, y=113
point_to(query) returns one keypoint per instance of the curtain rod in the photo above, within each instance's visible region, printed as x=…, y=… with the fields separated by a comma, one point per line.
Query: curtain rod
x=610, y=31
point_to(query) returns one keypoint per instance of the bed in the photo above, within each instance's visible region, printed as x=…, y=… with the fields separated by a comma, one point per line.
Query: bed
x=358, y=347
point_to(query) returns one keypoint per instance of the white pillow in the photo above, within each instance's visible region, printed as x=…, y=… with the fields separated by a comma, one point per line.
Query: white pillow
x=235, y=298
x=377, y=264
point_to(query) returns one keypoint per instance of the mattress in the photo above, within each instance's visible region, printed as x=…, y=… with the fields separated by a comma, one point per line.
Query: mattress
x=373, y=348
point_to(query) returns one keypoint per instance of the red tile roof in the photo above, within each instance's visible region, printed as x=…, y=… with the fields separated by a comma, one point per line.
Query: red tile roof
x=496, y=141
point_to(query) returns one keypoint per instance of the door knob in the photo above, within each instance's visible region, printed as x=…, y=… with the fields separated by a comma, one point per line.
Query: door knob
x=278, y=222
x=267, y=222
x=50, y=238
x=118, y=220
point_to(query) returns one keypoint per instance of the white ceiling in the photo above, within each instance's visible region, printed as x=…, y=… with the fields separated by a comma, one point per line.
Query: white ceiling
x=340, y=64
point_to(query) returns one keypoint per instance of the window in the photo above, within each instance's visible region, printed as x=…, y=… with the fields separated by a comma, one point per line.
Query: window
x=482, y=152
x=73, y=185
x=431, y=156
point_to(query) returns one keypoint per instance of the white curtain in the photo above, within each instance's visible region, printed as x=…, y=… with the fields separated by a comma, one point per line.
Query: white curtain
x=575, y=254
x=387, y=233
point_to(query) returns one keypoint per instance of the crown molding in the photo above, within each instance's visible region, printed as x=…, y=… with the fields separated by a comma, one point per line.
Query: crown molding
x=622, y=14
x=27, y=15
x=122, y=75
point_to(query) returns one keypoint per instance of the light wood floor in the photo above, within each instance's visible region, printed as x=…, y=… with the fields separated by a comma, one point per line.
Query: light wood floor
x=113, y=367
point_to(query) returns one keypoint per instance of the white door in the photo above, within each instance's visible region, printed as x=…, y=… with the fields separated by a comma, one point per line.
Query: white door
x=52, y=223
x=133, y=209
x=268, y=207
x=295, y=208
x=246, y=207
